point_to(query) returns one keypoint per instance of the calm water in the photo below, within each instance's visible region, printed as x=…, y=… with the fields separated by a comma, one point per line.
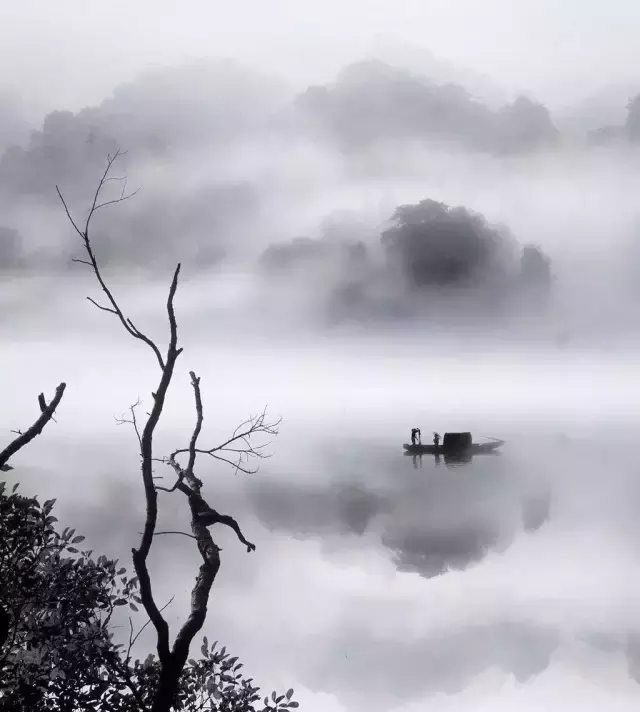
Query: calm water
x=380, y=583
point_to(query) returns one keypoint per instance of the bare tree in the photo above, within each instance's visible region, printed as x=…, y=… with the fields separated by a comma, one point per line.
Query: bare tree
x=237, y=450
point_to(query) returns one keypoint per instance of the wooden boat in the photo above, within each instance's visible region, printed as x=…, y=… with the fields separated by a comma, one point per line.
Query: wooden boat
x=455, y=444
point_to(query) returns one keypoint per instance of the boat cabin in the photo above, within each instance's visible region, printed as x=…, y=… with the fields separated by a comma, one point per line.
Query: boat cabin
x=456, y=442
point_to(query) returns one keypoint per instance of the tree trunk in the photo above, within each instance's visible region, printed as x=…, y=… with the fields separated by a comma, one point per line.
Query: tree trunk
x=167, y=687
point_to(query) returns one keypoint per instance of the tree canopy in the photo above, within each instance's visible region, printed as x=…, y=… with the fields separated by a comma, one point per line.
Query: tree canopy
x=434, y=244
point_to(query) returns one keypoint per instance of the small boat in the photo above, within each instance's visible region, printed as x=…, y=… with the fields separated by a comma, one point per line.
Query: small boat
x=455, y=443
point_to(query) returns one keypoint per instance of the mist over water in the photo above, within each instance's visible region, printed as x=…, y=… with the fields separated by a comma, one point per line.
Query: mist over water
x=380, y=582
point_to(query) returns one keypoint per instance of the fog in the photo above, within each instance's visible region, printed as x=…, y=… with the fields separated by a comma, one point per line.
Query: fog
x=398, y=214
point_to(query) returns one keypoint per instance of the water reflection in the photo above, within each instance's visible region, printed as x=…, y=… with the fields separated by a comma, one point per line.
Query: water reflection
x=450, y=459
x=431, y=518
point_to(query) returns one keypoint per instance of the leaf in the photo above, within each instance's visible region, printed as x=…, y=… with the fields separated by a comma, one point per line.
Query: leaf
x=15, y=487
x=78, y=539
x=122, y=571
x=120, y=602
x=294, y=704
x=72, y=549
x=273, y=695
x=205, y=642
x=133, y=607
x=289, y=693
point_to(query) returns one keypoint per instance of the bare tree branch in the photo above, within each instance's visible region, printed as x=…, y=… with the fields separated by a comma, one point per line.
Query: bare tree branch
x=92, y=262
x=132, y=421
x=46, y=414
x=195, y=382
x=239, y=448
x=167, y=365
x=242, y=435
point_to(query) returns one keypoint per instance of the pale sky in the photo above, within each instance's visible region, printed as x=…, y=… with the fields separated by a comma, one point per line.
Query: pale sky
x=73, y=51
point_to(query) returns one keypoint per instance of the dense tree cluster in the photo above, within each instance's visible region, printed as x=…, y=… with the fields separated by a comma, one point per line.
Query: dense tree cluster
x=437, y=245
x=209, y=113
x=372, y=101
x=428, y=248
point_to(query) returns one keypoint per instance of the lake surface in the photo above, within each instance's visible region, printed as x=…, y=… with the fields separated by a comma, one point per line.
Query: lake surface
x=378, y=583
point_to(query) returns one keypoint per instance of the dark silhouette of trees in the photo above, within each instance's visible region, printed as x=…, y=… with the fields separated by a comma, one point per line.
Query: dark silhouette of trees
x=372, y=101
x=535, y=268
x=434, y=245
x=56, y=611
x=23, y=438
x=432, y=260
x=58, y=650
x=525, y=125
x=237, y=450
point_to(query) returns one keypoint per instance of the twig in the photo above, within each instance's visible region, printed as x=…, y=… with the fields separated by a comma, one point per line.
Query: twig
x=242, y=434
x=133, y=421
x=166, y=605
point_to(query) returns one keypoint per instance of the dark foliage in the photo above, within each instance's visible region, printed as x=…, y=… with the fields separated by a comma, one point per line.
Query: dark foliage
x=62, y=606
x=436, y=245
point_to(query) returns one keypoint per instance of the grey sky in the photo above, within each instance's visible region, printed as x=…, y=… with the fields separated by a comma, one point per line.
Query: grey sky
x=70, y=53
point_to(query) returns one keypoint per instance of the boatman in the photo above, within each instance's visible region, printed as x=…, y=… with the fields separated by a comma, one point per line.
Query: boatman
x=436, y=439
x=416, y=435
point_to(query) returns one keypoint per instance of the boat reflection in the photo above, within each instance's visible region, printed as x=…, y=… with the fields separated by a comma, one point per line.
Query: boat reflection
x=450, y=459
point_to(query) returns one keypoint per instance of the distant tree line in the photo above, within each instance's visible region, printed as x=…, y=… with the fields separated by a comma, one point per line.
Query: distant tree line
x=428, y=249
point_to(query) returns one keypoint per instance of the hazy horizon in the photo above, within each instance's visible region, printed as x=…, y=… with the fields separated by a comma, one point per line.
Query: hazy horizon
x=275, y=146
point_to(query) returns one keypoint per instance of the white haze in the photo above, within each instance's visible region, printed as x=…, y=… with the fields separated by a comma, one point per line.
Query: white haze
x=353, y=617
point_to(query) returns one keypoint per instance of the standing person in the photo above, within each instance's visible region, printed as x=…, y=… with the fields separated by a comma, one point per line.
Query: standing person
x=416, y=436
x=436, y=439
